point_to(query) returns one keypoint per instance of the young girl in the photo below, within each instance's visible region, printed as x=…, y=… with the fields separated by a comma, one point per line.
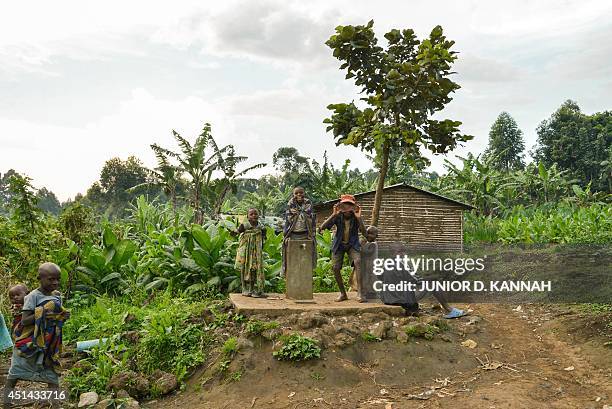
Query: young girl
x=249, y=257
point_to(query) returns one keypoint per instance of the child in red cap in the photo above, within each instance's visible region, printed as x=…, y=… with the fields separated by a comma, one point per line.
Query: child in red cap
x=347, y=219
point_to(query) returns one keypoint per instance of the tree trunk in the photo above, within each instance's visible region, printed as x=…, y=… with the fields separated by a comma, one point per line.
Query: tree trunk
x=196, y=205
x=220, y=199
x=381, y=184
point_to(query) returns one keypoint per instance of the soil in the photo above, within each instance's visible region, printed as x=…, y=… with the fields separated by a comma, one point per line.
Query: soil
x=535, y=356
x=531, y=357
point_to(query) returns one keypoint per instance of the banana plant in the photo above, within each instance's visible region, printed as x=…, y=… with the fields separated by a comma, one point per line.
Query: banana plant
x=104, y=266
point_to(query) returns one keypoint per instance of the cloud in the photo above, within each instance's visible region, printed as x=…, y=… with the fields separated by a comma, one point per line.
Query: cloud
x=478, y=69
x=269, y=31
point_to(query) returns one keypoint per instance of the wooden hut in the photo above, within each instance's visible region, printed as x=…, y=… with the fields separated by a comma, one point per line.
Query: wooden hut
x=423, y=220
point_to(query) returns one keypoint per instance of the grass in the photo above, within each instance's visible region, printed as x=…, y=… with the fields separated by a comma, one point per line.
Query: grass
x=256, y=327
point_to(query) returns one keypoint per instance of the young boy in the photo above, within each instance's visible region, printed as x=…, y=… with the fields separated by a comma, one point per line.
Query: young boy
x=347, y=219
x=249, y=257
x=38, y=339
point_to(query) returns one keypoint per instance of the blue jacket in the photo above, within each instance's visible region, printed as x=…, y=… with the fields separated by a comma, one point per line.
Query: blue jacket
x=353, y=242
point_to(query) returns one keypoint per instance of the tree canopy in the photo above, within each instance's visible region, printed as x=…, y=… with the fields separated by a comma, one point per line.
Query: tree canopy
x=506, y=144
x=403, y=86
x=578, y=143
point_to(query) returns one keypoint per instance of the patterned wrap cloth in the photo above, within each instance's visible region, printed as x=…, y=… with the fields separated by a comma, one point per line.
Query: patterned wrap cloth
x=249, y=259
x=45, y=336
x=38, y=346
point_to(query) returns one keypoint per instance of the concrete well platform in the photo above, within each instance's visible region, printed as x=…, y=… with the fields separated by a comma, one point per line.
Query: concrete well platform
x=277, y=305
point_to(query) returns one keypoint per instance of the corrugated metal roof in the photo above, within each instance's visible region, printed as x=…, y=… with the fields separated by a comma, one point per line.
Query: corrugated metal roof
x=467, y=206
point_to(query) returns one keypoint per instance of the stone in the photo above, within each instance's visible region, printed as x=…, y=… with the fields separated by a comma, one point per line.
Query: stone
x=122, y=394
x=134, y=383
x=472, y=320
x=369, y=252
x=308, y=320
x=469, y=343
x=402, y=337
x=445, y=338
x=343, y=340
x=105, y=404
x=349, y=329
x=374, y=316
x=298, y=280
x=163, y=382
x=321, y=338
x=88, y=399
x=380, y=330
x=131, y=403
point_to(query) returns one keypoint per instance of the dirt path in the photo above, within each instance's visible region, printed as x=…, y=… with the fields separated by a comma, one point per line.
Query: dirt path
x=524, y=359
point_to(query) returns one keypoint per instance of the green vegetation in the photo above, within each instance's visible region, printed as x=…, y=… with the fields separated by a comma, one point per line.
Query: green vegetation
x=426, y=331
x=369, y=337
x=296, y=347
x=143, y=337
x=256, y=327
x=147, y=255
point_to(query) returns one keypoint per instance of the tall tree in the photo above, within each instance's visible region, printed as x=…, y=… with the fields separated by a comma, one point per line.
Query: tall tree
x=578, y=143
x=292, y=165
x=506, y=144
x=403, y=86
x=24, y=203
x=47, y=201
x=112, y=193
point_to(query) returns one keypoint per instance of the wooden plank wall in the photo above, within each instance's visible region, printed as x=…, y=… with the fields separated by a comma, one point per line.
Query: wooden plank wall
x=422, y=221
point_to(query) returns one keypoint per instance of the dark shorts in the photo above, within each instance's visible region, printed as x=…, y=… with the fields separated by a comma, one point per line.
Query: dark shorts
x=338, y=257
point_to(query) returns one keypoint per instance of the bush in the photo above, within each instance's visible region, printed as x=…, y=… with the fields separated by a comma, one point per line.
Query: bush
x=296, y=347
x=256, y=327
x=369, y=337
x=230, y=347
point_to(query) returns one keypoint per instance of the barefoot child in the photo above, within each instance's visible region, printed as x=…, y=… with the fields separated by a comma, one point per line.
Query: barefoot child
x=249, y=257
x=38, y=339
x=346, y=217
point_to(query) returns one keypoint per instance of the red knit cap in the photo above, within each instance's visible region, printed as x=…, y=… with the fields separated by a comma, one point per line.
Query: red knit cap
x=347, y=199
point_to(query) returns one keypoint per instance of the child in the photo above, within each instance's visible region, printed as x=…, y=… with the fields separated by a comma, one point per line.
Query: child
x=300, y=223
x=347, y=219
x=38, y=339
x=364, y=284
x=249, y=257
x=17, y=295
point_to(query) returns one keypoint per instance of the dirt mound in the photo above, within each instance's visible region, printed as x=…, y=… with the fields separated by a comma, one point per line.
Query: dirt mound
x=512, y=360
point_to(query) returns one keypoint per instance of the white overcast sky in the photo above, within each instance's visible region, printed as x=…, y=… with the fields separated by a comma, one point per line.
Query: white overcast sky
x=81, y=82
